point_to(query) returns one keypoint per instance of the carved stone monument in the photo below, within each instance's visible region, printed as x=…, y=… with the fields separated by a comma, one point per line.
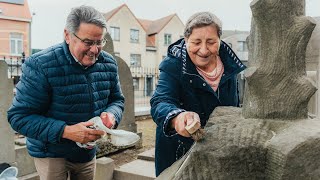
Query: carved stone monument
x=271, y=137
x=277, y=83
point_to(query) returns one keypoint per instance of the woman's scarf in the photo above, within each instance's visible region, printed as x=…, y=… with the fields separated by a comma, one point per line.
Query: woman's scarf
x=213, y=78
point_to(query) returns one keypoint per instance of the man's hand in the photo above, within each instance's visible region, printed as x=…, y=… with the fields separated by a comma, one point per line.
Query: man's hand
x=81, y=133
x=108, y=120
x=180, y=122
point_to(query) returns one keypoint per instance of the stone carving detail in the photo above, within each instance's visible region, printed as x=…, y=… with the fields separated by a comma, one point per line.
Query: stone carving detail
x=239, y=148
x=276, y=82
x=272, y=136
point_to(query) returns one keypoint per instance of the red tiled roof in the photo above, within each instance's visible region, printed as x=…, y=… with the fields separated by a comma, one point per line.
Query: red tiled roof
x=109, y=14
x=19, y=11
x=154, y=27
x=145, y=23
x=157, y=25
x=151, y=27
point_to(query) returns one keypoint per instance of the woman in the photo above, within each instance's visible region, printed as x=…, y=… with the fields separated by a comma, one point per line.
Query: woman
x=198, y=74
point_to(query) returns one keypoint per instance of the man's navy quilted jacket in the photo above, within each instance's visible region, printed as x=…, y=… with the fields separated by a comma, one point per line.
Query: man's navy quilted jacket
x=55, y=91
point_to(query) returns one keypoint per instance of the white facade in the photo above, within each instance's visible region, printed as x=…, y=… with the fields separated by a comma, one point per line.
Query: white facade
x=143, y=58
x=126, y=21
x=175, y=28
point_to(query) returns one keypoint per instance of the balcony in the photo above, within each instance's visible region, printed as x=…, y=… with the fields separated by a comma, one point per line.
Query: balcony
x=143, y=72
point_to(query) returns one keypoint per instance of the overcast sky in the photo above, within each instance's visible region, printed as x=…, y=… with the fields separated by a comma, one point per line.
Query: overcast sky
x=49, y=16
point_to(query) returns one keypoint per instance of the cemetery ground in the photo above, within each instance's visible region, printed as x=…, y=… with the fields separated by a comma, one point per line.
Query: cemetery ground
x=148, y=129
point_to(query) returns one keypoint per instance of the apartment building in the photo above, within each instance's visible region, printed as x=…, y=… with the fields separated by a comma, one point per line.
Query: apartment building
x=142, y=44
x=15, y=34
x=237, y=40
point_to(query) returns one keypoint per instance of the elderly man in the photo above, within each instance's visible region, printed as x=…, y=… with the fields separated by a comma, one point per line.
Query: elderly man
x=60, y=89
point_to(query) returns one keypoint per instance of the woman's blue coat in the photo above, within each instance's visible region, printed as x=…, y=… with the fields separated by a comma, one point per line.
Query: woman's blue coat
x=181, y=88
x=55, y=91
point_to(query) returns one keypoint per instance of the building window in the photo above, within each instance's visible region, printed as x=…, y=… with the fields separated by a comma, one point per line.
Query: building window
x=135, y=84
x=135, y=60
x=115, y=33
x=134, y=35
x=16, y=43
x=167, y=39
x=149, y=87
x=242, y=46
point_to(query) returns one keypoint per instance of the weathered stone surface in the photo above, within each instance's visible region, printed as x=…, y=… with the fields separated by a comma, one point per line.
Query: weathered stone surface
x=272, y=138
x=238, y=148
x=276, y=82
x=105, y=168
x=128, y=121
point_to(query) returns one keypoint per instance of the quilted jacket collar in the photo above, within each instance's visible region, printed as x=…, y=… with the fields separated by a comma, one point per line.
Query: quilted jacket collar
x=67, y=52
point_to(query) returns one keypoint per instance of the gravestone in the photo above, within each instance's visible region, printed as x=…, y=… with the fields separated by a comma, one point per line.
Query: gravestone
x=128, y=119
x=272, y=136
x=7, y=153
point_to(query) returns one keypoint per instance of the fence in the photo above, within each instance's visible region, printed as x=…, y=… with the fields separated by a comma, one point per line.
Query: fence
x=141, y=99
x=143, y=71
x=14, y=66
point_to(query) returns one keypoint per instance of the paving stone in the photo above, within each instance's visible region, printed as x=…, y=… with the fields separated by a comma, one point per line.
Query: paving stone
x=135, y=170
x=147, y=155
